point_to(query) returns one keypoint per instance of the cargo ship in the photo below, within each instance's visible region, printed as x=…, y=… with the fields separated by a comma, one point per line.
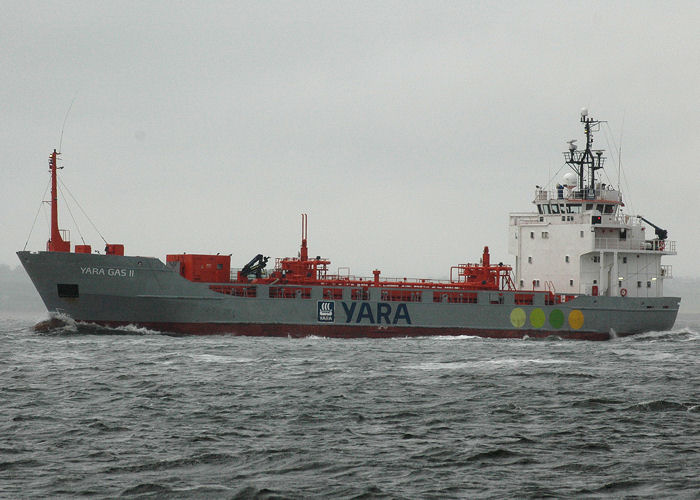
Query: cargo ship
x=583, y=270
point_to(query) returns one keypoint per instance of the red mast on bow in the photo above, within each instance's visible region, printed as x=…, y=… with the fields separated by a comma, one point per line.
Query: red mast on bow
x=56, y=242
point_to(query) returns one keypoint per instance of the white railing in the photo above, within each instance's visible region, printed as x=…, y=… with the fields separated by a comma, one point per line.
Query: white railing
x=578, y=195
x=635, y=245
x=525, y=218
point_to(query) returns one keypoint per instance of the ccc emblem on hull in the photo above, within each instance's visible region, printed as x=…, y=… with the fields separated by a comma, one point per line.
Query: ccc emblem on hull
x=326, y=311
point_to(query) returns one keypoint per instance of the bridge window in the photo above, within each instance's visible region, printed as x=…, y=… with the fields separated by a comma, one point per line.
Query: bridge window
x=608, y=209
x=555, y=209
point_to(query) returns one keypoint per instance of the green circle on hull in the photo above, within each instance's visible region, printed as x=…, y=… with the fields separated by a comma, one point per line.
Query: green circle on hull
x=556, y=318
x=517, y=317
x=537, y=318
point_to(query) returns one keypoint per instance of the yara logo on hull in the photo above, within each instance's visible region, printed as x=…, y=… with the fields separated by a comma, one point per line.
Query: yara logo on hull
x=326, y=311
x=382, y=313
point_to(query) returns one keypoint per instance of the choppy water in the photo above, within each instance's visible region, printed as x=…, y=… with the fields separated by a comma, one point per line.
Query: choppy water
x=108, y=413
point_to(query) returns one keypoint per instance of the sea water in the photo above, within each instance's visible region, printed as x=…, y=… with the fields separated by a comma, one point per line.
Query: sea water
x=88, y=411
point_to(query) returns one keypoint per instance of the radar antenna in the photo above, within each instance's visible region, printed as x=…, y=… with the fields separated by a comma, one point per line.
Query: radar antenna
x=588, y=160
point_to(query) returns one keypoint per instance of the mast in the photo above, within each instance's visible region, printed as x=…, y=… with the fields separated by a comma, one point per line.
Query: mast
x=56, y=242
x=304, y=253
x=580, y=161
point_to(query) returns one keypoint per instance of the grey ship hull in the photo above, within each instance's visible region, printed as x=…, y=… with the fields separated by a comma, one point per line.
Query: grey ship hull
x=116, y=290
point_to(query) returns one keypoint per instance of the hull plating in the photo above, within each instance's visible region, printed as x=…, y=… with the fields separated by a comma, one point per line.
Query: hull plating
x=118, y=290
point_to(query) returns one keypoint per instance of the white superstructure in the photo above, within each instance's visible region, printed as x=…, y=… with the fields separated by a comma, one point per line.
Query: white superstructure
x=579, y=241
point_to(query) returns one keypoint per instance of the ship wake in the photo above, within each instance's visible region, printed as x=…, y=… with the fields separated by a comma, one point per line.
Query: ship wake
x=684, y=334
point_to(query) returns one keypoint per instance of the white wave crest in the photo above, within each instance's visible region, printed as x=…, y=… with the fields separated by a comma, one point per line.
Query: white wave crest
x=685, y=334
x=216, y=358
x=506, y=362
x=130, y=328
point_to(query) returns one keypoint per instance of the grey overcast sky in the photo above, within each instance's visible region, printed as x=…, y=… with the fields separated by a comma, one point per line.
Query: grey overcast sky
x=406, y=130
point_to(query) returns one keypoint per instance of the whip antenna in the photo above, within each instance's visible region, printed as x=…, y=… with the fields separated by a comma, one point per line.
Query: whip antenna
x=619, y=152
x=60, y=142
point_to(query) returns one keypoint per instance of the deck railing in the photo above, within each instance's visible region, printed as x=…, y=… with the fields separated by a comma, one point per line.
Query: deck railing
x=578, y=195
x=664, y=246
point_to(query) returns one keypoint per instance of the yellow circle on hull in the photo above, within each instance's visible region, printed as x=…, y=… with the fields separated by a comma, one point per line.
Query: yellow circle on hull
x=576, y=319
